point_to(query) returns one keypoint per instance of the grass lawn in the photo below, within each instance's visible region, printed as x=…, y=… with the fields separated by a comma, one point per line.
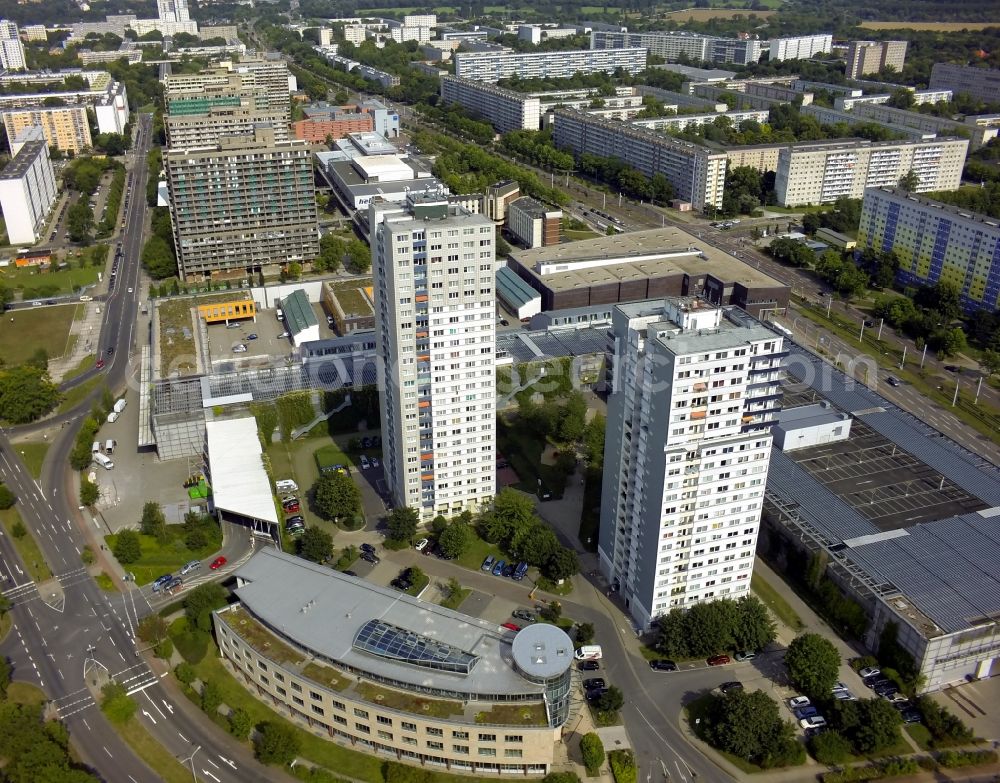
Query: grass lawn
x=476, y=553
x=33, y=455
x=603, y=719
x=106, y=583
x=523, y=450
x=775, y=602
x=330, y=454
x=514, y=715
x=22, y=332
x=6, y=622
x=168, y=768
x=25, y=693
x=409, y=702
x=66, y=281
x=158, y=559
x=352, y=299
x=85, y=364
x=26, y=546
x=454, y=600
x=78, y=394
x=422, y=581
x=920, y=734
x=177, y=351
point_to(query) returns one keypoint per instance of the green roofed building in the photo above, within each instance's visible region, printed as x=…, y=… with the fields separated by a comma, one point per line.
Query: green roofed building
x=300, y=320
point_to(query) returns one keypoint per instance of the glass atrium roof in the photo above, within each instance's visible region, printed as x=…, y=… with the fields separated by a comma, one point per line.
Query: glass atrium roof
x=398, y=644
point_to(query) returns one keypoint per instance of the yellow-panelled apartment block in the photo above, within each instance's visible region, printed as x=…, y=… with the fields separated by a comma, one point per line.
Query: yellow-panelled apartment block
x=227, y=311
x=66, y=127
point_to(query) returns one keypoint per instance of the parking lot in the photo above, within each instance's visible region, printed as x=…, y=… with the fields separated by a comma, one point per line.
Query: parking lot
x=222, y=338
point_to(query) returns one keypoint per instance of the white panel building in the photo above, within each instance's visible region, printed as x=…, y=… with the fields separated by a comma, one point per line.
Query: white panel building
x=432, y=264
x=112, y=110
x=800, y=47
x=494, y=66
x=27, y=192
x=11, y=48
x=507, y=110
x=695, y=392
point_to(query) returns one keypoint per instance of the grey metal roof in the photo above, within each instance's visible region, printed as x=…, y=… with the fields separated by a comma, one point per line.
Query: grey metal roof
x=543, y=650
x=324, y=611
x=513, y=290
x=522, y=345
x=947, y=569
x=966, y=469
x=20, y=163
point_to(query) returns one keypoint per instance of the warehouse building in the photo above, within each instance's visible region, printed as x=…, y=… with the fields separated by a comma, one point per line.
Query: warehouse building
x=641, y=265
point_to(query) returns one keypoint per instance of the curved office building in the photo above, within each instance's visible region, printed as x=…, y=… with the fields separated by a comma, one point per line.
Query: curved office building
x=393, y=675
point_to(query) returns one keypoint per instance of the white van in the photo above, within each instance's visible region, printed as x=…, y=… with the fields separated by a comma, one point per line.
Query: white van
x=120, y=405
x=96, y=447
x=109, y=446
x=286, y=485
x=103, y=461
x=589, y=652
x=112, y=417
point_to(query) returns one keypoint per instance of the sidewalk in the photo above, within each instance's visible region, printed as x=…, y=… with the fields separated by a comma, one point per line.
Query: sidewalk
x=87, y=331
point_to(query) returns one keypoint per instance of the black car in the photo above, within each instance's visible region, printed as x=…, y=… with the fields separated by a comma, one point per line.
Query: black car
x=596, y=693
x=662, y=665
x=588, y=666
x=370, y=557
x=368, y=548
x=731, y=687
x=911, y=716
x=594, y=682
x=349, y=573
x=366, y=443
x=876, y=681
x=953, y=368
x=401, y=584
x=886, y=691
x=508, y=571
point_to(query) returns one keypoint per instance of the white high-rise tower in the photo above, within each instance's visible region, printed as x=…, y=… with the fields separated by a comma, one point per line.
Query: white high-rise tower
x=694, y=395
x=11, y=48
x=173, y=10
x=435, y=318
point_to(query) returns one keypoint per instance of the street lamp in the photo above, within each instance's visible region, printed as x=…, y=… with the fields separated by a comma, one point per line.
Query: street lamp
x=190, y=759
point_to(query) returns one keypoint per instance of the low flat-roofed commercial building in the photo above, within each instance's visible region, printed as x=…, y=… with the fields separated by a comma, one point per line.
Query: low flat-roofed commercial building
x=396, y=677
x=334, y=124
x=66, y=127
x=697, y=173
x=494, y=66
x=642, y=265
x=903, y=520
x=935, y=242
x=836, y=239
x=27, y=192
x=358, y=180
x=980, y=83
x=810, y=425
x=533, y=224
x=820, y=172
x=241, y=489
x=505, y=109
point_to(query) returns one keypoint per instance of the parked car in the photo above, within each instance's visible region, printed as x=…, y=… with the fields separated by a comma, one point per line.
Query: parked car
x=487, y=563
x=498, y=568
x=218, y=563
x=745, y=655
x=292, y=508
x=731, y=687
x=869, y=671
x=815, y=722
x=100, y=364
x=887, y=691
x=365, y=464
x=366, y=442
x=375, y=462
x=367, y=548
x=239, y=348
x=893, y=381
x=520, y=572
x=588, y=666
x=401, y=583
x=911, y=716
x=806, y=712
x=662, y=665
x=421, y=544
x=370, y=557
x=161, y=581
x=508, y=570
x=839, y=687
x=797, y=702
x=523, y=614
x=296, y=520
x=511, y=627
x=596, y=693
x=719, y=660
x=251, y=337
x=594, y=682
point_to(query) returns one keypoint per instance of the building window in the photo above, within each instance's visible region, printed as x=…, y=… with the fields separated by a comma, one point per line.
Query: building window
x=409, y=740
x=383, y=720
x=315, y=696
x=363, y=728
x=298, y=701
x=463, y=735
x=487, y=751
x=487, y=737
x=513, y=738
x=461, y=749
x=317, y=710
x=385, y=735
x=360, y=713
x=435, y=732
x=435, y=745
x=513, y=753
x=408, y=726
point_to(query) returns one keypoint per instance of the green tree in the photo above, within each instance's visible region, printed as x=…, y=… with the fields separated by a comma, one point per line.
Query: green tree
x=830, y=747
x=201, y=602
x=211, y=697
x=813, y=665
x=315, y=544
x=402, y=523
x=116, y=703
x=80, y=221
x=185, y=673
x=275, y=743
x=7, y=498
x=455, y=539
x=158, y=258
x=611, y=700
x=592, y=751
x=153, y=522
x=336, y=496
x=593, y=441
x=127, y=548
x=89, y=492
x=573, y=419
x=240, y=723
x=584, y=633
x=152, y=628
x=754, y=629
x=562, y=564
x=749, y=725
x=709, y=627
x=990, y=361
x=910, y=181
x=26, y=394
x=534, y=543
x=5, y=671
x=359, y=256
x=878, y=726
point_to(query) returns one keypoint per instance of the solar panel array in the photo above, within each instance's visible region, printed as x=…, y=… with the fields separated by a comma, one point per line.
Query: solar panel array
x=567, y=342
x=391, y=641
x=947, y=569
x=969, y=471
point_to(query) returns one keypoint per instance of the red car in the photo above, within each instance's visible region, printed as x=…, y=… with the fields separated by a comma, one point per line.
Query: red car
x=100, y=364
x=719, y=660
x=291, y=508
x=511, y=627
x=221, y=561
